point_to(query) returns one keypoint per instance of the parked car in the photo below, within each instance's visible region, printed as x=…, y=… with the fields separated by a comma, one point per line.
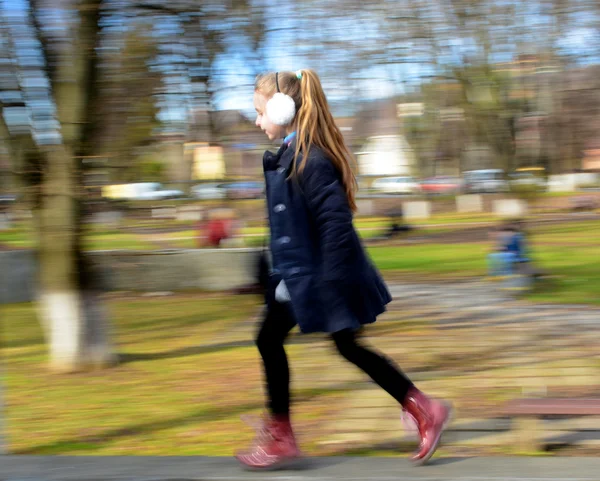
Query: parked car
x=208, y=191
x=244, y=190
x=140, y=191
x=441, y=185
x=7, y=199
x=397, y=185
x=527, y=179
x=485, y=180
x=155, y=191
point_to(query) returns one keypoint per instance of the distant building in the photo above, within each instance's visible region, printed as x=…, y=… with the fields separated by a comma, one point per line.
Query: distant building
x=591, y=159
x=385, y=155
x=207, y=160
x=225, y=144
x=378, y=143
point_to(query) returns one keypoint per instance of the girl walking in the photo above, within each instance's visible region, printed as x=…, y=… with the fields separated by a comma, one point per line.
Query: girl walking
x=321, y=278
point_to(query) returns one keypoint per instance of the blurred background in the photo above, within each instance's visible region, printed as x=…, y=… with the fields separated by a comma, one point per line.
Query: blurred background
x=132, y=210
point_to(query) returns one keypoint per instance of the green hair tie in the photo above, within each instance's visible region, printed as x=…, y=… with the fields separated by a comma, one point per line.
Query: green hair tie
x=299, y=74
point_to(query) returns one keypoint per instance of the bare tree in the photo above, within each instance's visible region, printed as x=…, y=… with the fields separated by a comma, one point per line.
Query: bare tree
x=67, y=54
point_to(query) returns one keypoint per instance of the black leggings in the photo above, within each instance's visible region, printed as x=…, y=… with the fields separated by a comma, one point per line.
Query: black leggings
x=272, y=334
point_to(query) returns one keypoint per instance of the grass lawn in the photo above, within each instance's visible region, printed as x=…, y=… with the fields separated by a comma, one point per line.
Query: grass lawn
x=567, y=252
x=158, y=401
x=464, y=259
x=190, y=371
x=190, y=368
x=21, y=236
x=117, y=240
x=575, y=274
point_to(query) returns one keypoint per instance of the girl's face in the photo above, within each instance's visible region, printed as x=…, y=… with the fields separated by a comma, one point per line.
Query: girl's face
x=273, y=131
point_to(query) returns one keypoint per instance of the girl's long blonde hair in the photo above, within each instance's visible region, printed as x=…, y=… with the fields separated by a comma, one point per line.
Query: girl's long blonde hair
x=314, y=123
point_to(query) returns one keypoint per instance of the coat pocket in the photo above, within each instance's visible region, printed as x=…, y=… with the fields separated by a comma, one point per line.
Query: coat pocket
x=305, y=302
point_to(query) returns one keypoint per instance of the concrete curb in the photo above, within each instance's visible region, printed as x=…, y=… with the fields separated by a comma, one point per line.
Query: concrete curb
x=167, y=468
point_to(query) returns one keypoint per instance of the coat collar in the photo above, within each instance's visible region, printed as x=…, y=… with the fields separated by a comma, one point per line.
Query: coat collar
x=283, y=158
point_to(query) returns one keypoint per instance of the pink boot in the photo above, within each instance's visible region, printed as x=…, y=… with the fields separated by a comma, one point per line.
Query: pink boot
x=274, y=447
x=431, y=418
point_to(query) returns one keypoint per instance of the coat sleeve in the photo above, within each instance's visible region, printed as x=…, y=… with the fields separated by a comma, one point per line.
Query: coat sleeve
x=328, y=205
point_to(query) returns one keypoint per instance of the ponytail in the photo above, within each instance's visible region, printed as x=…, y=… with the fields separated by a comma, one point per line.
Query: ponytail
x=313, y=121
x=315, y=126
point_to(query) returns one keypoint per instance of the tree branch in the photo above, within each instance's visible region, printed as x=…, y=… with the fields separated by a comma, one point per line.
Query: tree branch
x=50, y=57
x=151, y=9
x=90, y=39
x=158, y=8
x=5, y=133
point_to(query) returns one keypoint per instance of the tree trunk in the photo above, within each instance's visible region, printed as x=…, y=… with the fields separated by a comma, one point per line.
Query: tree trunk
x=70, y=309
x=179, y=169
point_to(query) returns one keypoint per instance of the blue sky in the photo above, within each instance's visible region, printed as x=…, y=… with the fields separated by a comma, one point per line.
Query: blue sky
x=295, y=55
x=236, y=72
x=382, y=82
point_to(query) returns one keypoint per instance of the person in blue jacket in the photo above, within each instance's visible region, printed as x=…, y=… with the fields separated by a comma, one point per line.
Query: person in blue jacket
x=321, y=279
x=510, y=251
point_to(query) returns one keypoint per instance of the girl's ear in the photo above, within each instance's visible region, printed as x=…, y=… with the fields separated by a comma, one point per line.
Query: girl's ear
x=281, y=109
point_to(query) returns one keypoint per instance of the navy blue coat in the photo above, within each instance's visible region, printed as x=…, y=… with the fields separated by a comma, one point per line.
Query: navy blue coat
x=314, y=247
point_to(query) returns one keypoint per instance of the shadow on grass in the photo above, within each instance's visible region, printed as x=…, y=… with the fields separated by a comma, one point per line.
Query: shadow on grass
x=87, y=443
x=173, y=323
x=183, y=352
x=204, y=349
x=95, y=442
x=546, y=284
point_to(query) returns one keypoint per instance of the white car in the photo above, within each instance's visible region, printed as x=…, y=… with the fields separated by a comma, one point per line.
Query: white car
x=397, y=185
x=527, y=179
x=140, y=191
x=486, y=180
x=153, y=191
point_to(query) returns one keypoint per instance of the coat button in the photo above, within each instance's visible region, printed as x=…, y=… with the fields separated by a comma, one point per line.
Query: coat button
x=280, y=170
x=279, y=208
x=284, y=240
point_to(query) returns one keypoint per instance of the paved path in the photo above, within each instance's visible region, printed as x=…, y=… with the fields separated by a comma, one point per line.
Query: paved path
x=467, y=341
x=477, y=346
x=65, y=468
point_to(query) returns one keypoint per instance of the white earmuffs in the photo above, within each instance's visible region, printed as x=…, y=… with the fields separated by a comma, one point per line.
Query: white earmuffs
x=281, y=108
